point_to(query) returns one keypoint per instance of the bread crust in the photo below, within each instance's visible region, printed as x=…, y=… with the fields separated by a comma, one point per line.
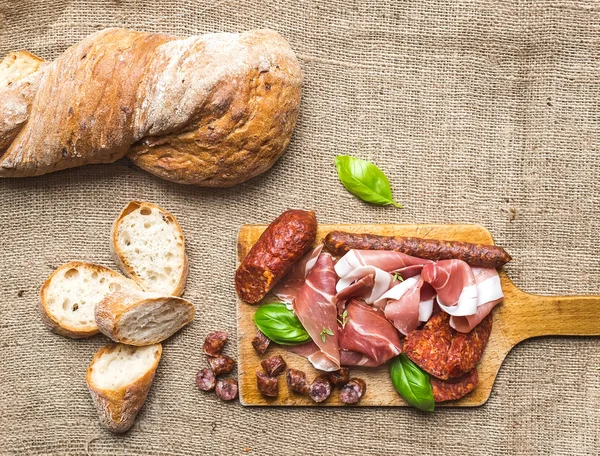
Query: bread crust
x=110, y=310
x=118, y=408
x=212, y=110
x=60, y=327
x=119, y=256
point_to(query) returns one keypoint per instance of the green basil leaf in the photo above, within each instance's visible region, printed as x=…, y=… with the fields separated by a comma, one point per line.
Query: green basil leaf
x=412, y=383
x=280, y=324
x=364, y=180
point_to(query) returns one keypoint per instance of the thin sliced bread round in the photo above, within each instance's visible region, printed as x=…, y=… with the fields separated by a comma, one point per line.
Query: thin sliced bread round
x=138, y=318
x=119, y=378
x=69, y=297
x=149, y=246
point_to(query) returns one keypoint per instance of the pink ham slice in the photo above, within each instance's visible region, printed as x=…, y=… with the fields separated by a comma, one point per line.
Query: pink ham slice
x=367, y=339
x=316, y=310
x=489, y=294
x=454, y=283
x=313, y=353
x=378, y=264
x=408, y=304
x=290, y=285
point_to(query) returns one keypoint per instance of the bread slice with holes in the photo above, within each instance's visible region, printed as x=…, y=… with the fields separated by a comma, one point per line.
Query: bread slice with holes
x=139, y=318
x=119, y=379
x=69, y=296
x=149, y=246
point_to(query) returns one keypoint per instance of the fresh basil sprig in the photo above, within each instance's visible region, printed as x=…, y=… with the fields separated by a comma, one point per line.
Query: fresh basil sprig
x=280, y=324
x=412, y=383
x=364, y=180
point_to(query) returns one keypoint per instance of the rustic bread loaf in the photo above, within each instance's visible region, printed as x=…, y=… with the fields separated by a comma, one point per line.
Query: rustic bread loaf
x=138, y=318
x=211, y=110
x=119, y=379
x=149, y=246
x=69, y=296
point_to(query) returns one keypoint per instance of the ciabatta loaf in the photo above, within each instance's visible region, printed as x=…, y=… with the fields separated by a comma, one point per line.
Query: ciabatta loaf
x=149, y=247
x=138, y=318
x=69, y=296
x=119, y=378
x=211, y=110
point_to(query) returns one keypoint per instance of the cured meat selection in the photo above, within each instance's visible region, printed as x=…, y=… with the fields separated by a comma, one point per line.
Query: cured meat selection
x=287, y=289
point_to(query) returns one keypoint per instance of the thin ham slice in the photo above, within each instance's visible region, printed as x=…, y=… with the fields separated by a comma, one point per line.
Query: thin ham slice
x=408, y=304
x=316, y=310
x=314, y=355
x=377, y=264
x=454, y=283
x=367, y=332
x=489, y=294
x=287, y=289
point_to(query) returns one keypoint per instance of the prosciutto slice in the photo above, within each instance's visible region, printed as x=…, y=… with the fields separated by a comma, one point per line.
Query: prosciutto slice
x=316, y=310
x=287, y=289
x=378, y=264
x=454, y=283
x=367, y=339
x=408, y=304
x=489, y=294
x=314, y=355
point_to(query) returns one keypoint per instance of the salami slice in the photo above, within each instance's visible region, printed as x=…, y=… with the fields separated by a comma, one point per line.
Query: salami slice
x=226, y=389
x=340, y=377
x=267, y=385
x=352, y=391
x=443, y=352
x=214, y=343
x=205, y=379
x=454, y=388
x=274, y=365
x=320, y=389
x=260, y=342
x=296, y=381
x=221, y=364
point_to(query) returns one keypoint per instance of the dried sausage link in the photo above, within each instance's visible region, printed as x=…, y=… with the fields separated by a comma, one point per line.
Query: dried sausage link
x=481, y=255
x=281, y=245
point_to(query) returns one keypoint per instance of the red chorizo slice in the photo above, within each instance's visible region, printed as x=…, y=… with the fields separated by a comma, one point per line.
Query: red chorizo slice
x=260, y=343
x=274, y=365
x=267, y=385
x=443, y=352
x=352, y=391
x=340, y=377
x=296, y=381
x=205, y=379
x=221, y=364
x=281, y=245
x=481, y=255
x=320, y=389
x=454, y=388
x=226, y=389
x=214, y=343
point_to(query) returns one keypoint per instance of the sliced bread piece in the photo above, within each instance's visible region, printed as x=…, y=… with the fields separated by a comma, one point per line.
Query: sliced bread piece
x=149, y=247
x=70, y=295
x=138, y=318
x=119, y=378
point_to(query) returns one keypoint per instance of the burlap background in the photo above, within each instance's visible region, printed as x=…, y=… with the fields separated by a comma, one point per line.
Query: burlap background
x=484, y=112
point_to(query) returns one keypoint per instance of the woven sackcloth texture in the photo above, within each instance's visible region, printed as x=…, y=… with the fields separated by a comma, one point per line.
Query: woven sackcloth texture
x=479, y=112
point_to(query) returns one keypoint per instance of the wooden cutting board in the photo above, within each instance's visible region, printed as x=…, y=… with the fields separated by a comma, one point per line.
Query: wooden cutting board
x=519, y=317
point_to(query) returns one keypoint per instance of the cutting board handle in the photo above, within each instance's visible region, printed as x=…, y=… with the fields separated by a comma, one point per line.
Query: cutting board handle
x=528, y=315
